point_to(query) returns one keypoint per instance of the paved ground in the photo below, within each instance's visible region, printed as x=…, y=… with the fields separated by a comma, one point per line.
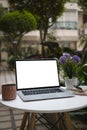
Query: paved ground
x=11, y=119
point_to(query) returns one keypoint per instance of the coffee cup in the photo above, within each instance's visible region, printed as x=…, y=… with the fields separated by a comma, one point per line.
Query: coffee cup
x=8, y=91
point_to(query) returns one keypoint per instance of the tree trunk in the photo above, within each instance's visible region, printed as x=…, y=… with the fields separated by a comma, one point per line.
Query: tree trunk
x=43, y=33
x=84, y=52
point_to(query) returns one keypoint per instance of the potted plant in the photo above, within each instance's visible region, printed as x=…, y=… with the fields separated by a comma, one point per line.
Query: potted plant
x=70, y=65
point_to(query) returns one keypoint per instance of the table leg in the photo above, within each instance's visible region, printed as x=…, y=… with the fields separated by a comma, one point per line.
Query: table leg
x=68, y=121
x=32, y=121
x=24, y=120
x=64, y=121
x=59, y=124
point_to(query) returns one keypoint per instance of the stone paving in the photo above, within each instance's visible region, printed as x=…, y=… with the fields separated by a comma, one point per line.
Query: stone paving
x=10, y=119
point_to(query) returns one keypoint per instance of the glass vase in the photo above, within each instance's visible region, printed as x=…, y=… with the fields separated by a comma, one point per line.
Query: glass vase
x=69, y=83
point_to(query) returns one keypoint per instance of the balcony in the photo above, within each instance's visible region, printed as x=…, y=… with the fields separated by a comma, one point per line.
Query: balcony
x=65, y=31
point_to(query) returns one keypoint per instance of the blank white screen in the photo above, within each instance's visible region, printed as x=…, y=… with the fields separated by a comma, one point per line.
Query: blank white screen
x=32, y=74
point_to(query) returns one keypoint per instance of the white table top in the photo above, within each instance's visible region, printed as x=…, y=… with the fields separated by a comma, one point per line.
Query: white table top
x=48, y=106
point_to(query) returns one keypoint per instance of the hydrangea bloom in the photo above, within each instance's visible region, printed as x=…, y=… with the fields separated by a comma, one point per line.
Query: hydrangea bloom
x=63, y=59
x=76, y=58
x=69, y=64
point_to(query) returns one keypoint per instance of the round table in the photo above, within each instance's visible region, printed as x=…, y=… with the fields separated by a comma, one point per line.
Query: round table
x=63, y=105
x=48, y=106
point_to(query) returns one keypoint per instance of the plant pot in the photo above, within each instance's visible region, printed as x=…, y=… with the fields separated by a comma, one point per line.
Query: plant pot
x=69, y=83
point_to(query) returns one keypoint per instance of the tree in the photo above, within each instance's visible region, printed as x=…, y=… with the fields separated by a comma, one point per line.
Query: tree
x=45, y=10
x=83, y=4
x=15, y=25
x=83, y=37
x=2, y=12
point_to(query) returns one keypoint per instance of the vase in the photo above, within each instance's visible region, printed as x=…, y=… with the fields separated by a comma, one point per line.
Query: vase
x=69, y=83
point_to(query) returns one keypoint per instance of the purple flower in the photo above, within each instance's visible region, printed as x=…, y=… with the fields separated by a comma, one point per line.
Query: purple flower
x=76, y=58
x=62, y=59
x=69, y=64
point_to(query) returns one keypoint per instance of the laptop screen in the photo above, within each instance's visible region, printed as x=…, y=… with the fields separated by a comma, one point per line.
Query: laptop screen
x=36, y=73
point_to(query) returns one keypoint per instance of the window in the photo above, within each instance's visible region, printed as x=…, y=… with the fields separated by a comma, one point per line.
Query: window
x=68, y=20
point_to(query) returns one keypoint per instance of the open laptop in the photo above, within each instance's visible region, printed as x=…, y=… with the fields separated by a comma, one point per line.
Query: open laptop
x=39, y=80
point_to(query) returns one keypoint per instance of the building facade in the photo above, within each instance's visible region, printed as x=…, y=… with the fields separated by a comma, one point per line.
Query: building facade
x=66, y=28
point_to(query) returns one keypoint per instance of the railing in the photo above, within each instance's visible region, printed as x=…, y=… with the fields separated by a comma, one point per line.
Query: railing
x=65, y=25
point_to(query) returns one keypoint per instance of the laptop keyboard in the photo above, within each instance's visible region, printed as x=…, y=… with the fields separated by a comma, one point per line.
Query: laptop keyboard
x=41, y=91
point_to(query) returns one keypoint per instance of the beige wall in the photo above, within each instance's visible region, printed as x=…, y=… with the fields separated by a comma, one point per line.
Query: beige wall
x=80, y=19
x=4, y=3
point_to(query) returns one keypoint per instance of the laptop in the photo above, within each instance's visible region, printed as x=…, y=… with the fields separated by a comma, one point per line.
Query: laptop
x=39, y=80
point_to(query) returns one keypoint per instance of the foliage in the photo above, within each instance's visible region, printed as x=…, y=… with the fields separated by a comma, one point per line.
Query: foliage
x=83, y=36
x=82, y=74
x=83, y=4
x=45, y=10
x=15, y=25
x=11, y=61
x=70, y=64
x=23, y=53
x=68, y=50
x=53, y=49
x=2, y=11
